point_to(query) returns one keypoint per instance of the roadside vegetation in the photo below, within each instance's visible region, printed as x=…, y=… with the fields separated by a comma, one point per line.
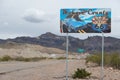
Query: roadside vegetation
x=81, y=74
x=110, y=60
x=8, y=58
x=31, y=59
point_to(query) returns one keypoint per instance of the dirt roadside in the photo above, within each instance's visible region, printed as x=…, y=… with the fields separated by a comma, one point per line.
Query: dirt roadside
x=50, y=70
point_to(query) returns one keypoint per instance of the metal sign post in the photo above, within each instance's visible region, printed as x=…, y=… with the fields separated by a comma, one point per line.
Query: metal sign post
x=102, y=61
x=67, y=44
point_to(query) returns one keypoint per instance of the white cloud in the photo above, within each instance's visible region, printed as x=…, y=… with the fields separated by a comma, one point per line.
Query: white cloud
x=5, y=23
x=34, y=15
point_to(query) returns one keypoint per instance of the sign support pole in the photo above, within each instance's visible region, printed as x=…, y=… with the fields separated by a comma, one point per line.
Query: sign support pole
x=102, y=62
x=67, y=42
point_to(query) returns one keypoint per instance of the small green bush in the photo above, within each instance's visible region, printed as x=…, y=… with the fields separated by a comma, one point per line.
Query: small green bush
x=29, y=59
x=22, y=59
x=81, y=74
x=5, y=58
x=59, y=58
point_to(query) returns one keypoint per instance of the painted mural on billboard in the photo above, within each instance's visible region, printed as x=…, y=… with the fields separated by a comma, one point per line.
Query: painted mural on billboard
x=85, y=20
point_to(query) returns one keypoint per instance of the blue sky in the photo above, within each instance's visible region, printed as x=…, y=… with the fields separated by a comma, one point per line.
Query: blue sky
x=35, y=17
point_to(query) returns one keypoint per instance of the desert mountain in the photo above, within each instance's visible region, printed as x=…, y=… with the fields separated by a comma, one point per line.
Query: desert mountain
x=91, y=44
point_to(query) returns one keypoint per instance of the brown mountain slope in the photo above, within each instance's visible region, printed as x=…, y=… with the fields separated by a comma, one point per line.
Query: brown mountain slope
x=27, y=50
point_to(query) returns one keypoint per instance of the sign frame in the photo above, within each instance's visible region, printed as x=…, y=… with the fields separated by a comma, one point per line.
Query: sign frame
x=85, y=20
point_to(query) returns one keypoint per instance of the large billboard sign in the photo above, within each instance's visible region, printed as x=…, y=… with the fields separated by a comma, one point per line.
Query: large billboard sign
x=85, y=20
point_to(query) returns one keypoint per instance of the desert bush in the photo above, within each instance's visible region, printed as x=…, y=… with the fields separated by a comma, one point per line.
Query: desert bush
x=29, y=59
x=22, y=59
x=110, y=60
x=37, y=58
x=115, y=61
x=96, y=58
x=5, y=58
x=81, y=74
x=59, y=58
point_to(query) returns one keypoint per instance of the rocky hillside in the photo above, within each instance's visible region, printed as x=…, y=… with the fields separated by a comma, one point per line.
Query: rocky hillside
x=91, y=44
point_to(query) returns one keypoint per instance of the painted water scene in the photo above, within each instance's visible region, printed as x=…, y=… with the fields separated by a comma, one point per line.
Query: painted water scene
x=59, y=40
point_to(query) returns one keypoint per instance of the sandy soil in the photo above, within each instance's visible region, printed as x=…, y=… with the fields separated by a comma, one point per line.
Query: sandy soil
x=51, y=70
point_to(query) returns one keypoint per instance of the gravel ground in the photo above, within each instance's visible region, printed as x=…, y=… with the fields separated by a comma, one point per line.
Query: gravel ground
x=51, y=70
